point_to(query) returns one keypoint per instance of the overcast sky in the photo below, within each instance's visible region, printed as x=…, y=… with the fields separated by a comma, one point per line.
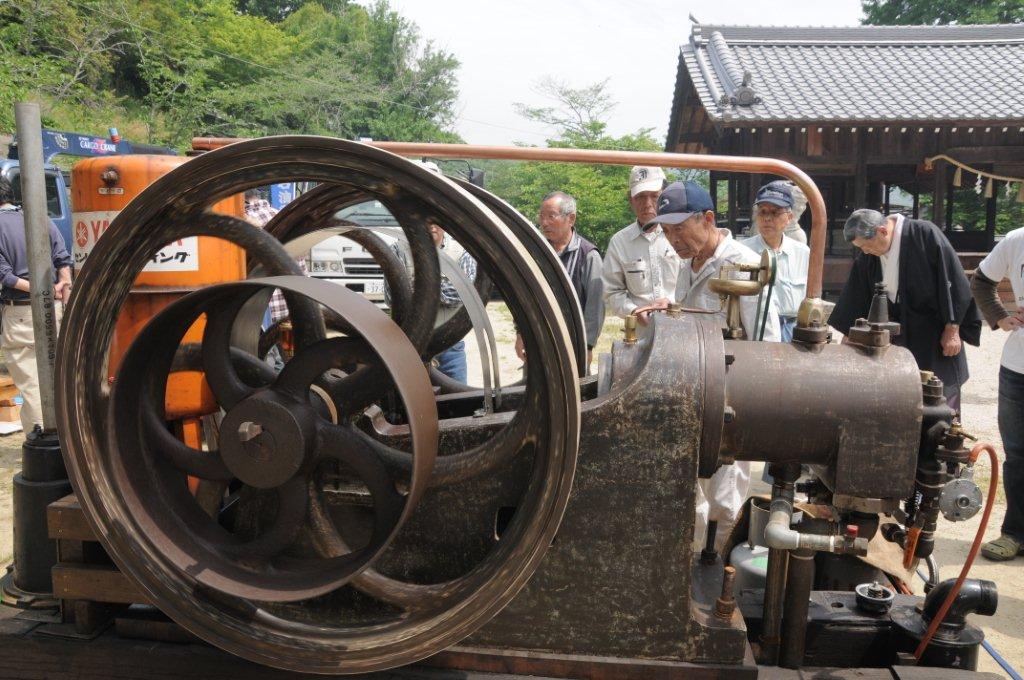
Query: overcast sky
x=506, y=47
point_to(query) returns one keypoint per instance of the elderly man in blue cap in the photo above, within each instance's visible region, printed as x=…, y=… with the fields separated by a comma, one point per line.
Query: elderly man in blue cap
x=687, y=218
x=773, y=212
x=686, y=214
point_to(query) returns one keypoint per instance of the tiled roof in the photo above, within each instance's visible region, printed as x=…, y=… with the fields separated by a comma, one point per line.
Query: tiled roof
x=867, y=73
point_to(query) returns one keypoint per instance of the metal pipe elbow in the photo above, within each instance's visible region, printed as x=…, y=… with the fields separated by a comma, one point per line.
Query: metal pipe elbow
x=778, y=533
x=976, y=596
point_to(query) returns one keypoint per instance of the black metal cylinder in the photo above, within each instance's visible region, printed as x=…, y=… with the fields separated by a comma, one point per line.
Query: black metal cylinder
x=838, y=400
x=955, y=651
x=799, y=579
x=42, y=481
x=41, y=460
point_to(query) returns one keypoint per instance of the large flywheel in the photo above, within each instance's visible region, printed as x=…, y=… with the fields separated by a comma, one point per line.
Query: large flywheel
x=265, y=570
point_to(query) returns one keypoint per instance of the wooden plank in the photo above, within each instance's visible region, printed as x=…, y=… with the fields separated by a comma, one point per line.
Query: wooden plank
x=65, y=520
x=141, y=622
x=814, y=141
x=515, y=662
x=860, y=177
x=108, y=658
x=97, y=583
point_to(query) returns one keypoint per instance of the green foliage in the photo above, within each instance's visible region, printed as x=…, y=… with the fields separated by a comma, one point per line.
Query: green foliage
x=277, y=10
x=167, y=70
x=919, y=12
x=580, y=112
x=600, y=190
x=969, y=206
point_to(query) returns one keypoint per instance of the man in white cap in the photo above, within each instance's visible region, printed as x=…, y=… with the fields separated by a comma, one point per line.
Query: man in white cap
x=640, y=267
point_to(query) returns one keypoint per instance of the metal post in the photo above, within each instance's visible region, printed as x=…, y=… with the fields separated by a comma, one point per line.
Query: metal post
x=799, y=581
x=40, y=263
x=42, y=479
x=784, y=475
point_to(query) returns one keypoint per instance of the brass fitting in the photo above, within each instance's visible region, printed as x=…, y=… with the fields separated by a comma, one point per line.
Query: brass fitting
x=726, y=604
x=629, y=330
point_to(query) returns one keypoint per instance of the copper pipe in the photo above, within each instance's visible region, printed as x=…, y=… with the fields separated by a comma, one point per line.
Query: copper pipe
x=751, y=164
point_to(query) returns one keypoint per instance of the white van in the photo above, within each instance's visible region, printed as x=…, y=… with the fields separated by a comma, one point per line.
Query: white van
x=347, y=263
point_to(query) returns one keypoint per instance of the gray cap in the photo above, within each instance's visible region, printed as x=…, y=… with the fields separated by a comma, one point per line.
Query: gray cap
x=863, y=223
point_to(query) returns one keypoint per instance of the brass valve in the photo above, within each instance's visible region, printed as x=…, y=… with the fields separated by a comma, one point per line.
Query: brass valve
x=730, y=289
x=629, y=330
x=956, y=430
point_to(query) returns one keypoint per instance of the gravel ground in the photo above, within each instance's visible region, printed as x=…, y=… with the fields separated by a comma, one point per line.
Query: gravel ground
x=1005, y=630
x=10, y=463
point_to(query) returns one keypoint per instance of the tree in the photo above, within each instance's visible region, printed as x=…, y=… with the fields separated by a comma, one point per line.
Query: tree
x=929, y=12
x=581, y=112
x=54, y=54
x=579, y=117
x=167, y=70
x=278, y=10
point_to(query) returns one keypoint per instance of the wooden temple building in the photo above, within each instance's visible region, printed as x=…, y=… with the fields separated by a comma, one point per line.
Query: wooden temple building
x=862, y=110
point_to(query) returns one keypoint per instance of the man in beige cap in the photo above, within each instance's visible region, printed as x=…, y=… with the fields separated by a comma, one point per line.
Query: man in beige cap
x=640, y=266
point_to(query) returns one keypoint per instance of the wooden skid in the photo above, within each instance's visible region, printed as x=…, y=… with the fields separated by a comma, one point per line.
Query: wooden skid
x=96, y=583
x=520, y=663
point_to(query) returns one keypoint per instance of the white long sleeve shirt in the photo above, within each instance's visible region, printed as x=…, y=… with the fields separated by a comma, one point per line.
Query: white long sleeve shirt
x=692, y=288
x=721, y=497
x=891, y=261
x=639, y=268
x=792, y=260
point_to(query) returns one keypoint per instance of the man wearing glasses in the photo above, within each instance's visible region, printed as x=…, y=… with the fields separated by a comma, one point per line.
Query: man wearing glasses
x=581, y=259
x=773, y=212
x=927, y=291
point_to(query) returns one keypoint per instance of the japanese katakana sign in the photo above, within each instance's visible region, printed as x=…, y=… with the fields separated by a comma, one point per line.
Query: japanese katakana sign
x=178, y=256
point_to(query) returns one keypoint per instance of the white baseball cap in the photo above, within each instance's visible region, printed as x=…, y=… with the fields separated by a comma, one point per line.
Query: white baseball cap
x=643, y=178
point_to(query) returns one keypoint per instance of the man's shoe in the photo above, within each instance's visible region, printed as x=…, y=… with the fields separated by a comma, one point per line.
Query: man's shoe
x=1002, y=549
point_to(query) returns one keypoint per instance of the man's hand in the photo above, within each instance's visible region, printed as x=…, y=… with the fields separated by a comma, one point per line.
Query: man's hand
x=520, y=348
x=643, y=314
x=950, y=341
x=590, y=357
x=62, y=291
x=1012, y=322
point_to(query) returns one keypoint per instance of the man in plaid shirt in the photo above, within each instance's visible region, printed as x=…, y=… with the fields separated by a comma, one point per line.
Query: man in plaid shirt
x=259, y=211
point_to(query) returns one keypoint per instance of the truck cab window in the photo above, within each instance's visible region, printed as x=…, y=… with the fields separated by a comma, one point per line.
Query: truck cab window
x=53, y=202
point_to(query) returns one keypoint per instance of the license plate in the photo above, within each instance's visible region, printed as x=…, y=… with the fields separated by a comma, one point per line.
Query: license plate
x=375, y=287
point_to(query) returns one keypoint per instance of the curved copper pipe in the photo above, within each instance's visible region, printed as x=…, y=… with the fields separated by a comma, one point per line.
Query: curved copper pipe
x=750, y=164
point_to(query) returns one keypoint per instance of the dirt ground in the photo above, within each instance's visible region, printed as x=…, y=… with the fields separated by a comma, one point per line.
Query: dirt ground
x=10, y=463
x=1005, y=630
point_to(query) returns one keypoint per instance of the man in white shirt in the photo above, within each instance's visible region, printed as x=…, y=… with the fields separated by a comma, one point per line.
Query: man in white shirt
x=640, y=266
x=773, y=210
x=687, y=215
x=1007, y=261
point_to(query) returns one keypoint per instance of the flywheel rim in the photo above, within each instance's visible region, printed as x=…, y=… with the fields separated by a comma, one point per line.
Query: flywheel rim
x=241, y=626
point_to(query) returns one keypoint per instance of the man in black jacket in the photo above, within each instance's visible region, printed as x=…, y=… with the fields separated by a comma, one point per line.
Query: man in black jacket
x=928, y=292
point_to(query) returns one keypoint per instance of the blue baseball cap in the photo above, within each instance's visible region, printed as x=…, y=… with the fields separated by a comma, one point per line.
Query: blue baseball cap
x=777, y=193
x=680, y=201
